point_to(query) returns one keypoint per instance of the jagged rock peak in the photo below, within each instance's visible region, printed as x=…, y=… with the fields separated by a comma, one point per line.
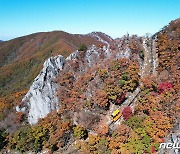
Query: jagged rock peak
x=101, y=34
x=41, y=98
x=101, y=37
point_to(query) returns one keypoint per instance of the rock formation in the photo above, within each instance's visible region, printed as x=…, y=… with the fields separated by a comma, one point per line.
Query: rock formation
x=41, y=98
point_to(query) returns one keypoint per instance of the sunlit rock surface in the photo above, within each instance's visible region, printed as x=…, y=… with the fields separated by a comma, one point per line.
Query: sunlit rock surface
x=41, y=98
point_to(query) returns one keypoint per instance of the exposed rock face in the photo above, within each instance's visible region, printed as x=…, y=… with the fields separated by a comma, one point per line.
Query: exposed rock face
x=146, y=68
x=101, y=37
x=91, y=57
x=155, y=56
x=41, y=98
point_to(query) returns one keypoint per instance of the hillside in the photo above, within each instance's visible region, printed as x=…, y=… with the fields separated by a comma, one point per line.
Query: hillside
x=116, y=96
x=22, y=58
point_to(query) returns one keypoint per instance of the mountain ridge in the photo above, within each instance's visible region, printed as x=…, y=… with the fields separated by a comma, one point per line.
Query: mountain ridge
x=32, y=50
x=117, y=96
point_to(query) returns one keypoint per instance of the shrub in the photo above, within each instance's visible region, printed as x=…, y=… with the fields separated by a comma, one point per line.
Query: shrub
x=102, y=146
x=122, y=82
x=22, y=140
x=82, y=47
x=141, y=54
x=164, y=86
x=101, y=99
x=40, y=135
x=79, y=132
x=135, y=122
x=121, y=98
x=103, y=73
x=125, y=76
x=127, y=112
x=3, y=141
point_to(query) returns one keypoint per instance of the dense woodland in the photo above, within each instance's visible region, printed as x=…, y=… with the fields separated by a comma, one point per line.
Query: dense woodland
x=143, y=128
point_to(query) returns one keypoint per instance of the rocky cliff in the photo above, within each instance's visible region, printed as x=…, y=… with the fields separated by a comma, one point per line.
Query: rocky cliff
x=41, y=98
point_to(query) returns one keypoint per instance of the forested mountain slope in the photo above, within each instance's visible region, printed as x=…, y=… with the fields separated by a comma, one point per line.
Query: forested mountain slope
x=116, y=96
x=22, y=58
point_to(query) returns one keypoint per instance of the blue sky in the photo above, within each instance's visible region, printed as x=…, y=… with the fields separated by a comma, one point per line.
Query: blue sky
x=114, y=17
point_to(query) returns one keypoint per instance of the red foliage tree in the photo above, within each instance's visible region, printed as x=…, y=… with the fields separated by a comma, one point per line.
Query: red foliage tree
x=153, y=149
x=162, y=140
x=164, y=86
x=121, y=98
x=127, y=112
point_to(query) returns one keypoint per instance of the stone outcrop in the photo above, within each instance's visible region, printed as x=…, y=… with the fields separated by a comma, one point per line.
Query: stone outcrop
x=41, y=98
